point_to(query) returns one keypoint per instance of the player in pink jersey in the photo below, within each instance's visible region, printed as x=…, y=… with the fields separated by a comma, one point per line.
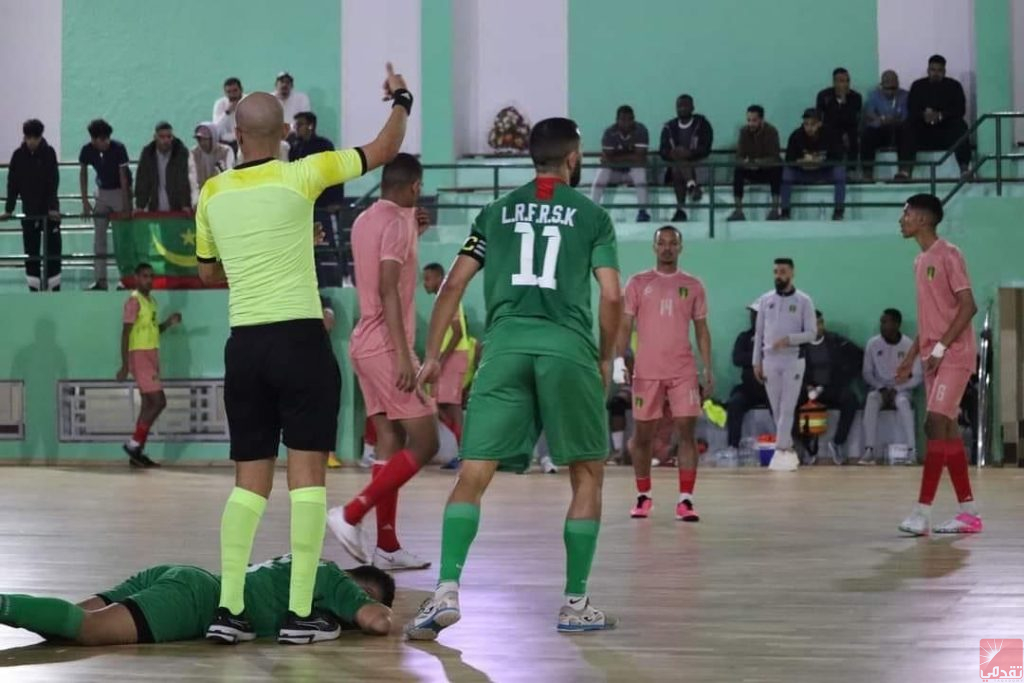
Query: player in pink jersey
x=945, y=342
x=385, y=249
x=662, y=303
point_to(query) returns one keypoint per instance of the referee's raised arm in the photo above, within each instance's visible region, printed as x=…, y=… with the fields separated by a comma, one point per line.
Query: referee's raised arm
x=389, y=141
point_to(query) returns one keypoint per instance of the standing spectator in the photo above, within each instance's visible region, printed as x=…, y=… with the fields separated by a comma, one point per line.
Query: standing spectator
x=33, y=175
x=785, y=325
x=292, y=101
x=162, y=181
x=624, y=159
x=885, y=118
x=757, y=161
x=884, y=353
x=937, y=107
x=749, y=393
x=207, y=159
x=224, y=112
x=685, y=140
x=833, y=362
x=810, y=146
x=109, y=159
x=840, y=110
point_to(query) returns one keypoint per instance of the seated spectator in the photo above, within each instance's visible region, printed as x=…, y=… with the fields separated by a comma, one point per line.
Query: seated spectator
x=224, y=112
x=749, y=393
x=161, y=182
x=624, y=159
x=885, y=119
x=34, y=176
x=293, y=101
x=810, y=147
x=937, y=107
x=757, y=161
x=884, y=353
x=833, y=362
x=109, y=160
x=282, y=153
x=840, y=110
x=685, y=140
x=207, y=159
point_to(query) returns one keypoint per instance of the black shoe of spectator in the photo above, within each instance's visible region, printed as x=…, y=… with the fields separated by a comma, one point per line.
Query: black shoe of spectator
x=679, y=216
x=97, y=287
x=785, y=215
x=643, y=217
x=901, y=177
x=773, y=215
x=695, y=192
x=737, y=215
x=837, y=215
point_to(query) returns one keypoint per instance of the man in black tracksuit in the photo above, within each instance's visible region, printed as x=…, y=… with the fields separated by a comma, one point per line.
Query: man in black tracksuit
x=33, y=176
x=749, y=393
x=936, y=110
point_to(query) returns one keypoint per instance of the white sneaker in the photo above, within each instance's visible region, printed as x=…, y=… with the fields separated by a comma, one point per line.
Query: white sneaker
x=368, y=460
x=351, y=537
x=436, y=613
x=586, y=618
x=868, y=457
x=917, y=524
x=398, y=560
x=784, y=460
x=836, y=453
x=548, y=466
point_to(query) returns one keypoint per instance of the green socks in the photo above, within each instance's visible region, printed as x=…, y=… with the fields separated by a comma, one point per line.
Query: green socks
x=309, y=517
x=461, y=521
x=238, y=526
x=45, y=616
x=580, y=543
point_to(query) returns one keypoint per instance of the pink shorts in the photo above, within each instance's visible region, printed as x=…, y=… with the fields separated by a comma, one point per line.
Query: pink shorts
x=145, y=368
x=448, y=390
x=377, y=380
x=945, y=388
x=649, y=396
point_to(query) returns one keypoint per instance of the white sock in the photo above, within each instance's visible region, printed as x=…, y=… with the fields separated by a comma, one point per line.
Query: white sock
x=691, y=183
x=923, y=509
x=969, y=508
x=685, y=496
x=576, y=601
x=446, y=587
x=368, y=450
x=617, y=438
x=132, y=443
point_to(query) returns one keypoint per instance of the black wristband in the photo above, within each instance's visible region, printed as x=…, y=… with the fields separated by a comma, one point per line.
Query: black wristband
x=402, y=98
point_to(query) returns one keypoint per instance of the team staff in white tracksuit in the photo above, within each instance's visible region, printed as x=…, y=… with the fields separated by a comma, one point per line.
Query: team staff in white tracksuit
x=785, y=322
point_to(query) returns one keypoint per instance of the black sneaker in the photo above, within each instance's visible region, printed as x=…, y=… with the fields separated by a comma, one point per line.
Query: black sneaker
x=679, y=216
x=227, y=628
x=317, y=627
x=136, y=458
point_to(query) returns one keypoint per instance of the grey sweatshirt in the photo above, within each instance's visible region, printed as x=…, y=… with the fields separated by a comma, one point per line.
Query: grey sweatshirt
x=881, y=360
x=790, y=316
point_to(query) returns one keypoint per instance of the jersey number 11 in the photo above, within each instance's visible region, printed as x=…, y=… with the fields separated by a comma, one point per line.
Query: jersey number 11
x=526, y=277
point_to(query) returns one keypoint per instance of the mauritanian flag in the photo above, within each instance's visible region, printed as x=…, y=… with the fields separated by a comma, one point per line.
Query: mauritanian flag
x=166, y=241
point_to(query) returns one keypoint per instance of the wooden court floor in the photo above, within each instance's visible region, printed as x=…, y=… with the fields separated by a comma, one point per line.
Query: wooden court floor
x=789, y=578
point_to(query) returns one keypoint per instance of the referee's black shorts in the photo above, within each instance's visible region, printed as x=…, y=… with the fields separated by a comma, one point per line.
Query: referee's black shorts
x=281, y=379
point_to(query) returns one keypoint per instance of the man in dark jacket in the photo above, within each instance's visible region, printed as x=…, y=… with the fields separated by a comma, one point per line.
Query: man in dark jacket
x=33, y=176
x=305, y=141
x=685, y=140
x=810, y=147
x=161, y=182
x=833, y=362
x=937, y=107
x=840, y=108
x=757, y=161
x=749, y=393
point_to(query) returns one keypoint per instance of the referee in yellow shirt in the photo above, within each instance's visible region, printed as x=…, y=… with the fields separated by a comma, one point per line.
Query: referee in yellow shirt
x=254, y=230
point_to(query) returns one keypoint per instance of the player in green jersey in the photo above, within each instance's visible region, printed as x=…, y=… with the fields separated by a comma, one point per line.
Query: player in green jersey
x=175, y=602
x=541, y=245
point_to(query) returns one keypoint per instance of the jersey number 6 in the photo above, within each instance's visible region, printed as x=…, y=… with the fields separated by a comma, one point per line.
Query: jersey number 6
x=526, y=276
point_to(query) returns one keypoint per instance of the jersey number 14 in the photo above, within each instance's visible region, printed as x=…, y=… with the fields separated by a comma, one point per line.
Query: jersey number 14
x=526, y=277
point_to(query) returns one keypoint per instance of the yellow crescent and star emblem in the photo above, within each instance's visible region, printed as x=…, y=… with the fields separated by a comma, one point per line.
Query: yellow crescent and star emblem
x=188, y=237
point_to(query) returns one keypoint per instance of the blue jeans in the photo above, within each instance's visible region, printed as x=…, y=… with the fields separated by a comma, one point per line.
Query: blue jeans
x=794, y=174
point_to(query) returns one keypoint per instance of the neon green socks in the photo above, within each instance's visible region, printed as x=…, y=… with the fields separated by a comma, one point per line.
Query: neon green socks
x=461, y=521
x=238, y=526
x=45, y=616
x=309, y=517
x=580, y=544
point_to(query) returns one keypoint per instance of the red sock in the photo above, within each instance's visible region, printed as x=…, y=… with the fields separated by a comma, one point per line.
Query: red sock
x=956, y=462
x=643, y=485
x=395, y=472
x=687, y=480
x=453, y=427
x=934, y=459
x=370, y=433
x=141, y=433
x=387, y=514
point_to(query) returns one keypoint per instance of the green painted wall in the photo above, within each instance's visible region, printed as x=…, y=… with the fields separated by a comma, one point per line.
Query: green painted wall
x=994, y=72
x=728, y=54
x=117, y=69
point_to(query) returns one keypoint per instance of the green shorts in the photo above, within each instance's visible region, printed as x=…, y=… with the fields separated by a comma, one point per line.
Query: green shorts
x=515, y=396
x=169, y=602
